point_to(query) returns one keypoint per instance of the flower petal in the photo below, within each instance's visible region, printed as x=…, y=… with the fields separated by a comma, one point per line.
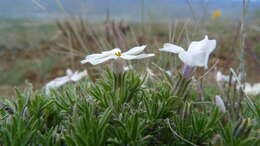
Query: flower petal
x=135, y=50
x=95, y=59
x=193, y=59
x=129, y=67
x=220, y=103
x=167, y=47
x=98, y=61
x=100, y=57
x=204, y=45
x=252, y=89
x=96, y=56
x=69, y=72
x=141, y=56
x=211, y=46
x=78, y=76
x=56, y=83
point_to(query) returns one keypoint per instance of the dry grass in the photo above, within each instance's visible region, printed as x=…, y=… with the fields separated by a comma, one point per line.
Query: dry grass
x=75, y=37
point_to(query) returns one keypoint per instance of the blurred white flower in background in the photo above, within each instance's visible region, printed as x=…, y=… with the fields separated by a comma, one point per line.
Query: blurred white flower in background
x=221, y=77
x=252, y=89
x=129, y=67
x=220, y=104
x=76, y=76
x=60, y=81
x=168, y=72
x=197, y=54
x=134, y=53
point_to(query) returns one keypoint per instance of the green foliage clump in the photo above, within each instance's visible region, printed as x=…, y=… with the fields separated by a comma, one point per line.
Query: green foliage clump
x=126, y=109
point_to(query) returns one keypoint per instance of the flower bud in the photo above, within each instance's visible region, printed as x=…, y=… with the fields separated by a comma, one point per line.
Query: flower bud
x=220, y=103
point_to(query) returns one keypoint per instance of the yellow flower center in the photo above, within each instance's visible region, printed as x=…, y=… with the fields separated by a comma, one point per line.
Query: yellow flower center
x=118, y=53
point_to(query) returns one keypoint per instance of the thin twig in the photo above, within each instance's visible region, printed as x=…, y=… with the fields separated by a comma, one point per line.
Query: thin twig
x=177, y=135
x=215, y=64
x=201, y=102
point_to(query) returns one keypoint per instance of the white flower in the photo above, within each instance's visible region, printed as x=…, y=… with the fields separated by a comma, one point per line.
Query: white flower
x=168, y=72
x=252, y=89
x=60, y=81
x=220, y=104
x=78, y=76
x=197, y=54
x=56, y=83
x=221, y=77
x=129, y=67
x=134, y=53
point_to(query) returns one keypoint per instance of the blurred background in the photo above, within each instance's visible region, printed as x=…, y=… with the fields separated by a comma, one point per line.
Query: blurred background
x=39, y=39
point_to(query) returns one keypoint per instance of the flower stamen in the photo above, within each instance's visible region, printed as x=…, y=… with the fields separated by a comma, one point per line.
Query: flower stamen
x=118, y=53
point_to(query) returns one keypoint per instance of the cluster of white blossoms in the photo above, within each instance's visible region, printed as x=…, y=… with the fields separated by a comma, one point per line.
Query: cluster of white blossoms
x=220, y=77
x=197, y=54
x=60, y=81
x=248, y=89
x=252, y=89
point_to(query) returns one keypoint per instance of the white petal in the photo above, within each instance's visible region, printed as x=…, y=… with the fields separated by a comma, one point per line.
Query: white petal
x=220, y=104
x=113, y=52
x=78, y=76
x=218, y=76
x=167, y=47
x=168, y=72
x=98, y=58
x=135, y=50
x=211, y=46
x=129, y=67
x=56, y=83
x=252, y=90
x=204, y=45
x=98, y=61
x=198, y=45
x=103, y=54
x=141, y=56
x=92, y=57
x=221, y=77
x=193, y=59
x=69, y=72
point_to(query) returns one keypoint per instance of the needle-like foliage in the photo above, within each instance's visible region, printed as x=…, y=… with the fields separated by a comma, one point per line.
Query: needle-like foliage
x=127, y=110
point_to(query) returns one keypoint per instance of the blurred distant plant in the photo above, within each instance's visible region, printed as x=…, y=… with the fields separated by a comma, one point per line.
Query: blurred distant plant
x=216, y=14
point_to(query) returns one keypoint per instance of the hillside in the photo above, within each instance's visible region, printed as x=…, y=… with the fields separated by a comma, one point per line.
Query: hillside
x=127, y=9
